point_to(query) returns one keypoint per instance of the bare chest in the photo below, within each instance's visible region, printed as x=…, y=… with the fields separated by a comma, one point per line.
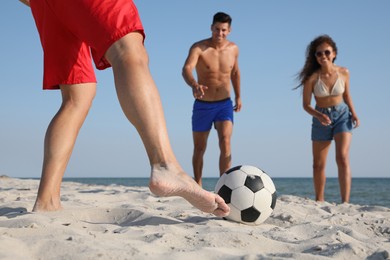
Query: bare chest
x=216, y=61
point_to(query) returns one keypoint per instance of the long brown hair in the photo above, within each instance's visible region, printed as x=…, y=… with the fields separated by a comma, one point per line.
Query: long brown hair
x=311, y=64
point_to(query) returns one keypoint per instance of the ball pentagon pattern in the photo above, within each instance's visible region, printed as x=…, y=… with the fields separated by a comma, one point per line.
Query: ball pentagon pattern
x=249, y=192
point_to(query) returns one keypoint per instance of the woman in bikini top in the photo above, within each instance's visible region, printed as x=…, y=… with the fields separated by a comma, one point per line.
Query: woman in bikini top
x=330, y=86
x=322, y=90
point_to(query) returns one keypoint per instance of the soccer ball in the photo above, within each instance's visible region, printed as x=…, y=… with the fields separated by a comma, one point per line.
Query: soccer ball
x=249, y=192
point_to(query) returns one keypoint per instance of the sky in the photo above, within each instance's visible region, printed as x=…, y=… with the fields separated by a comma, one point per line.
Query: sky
x=272, y=131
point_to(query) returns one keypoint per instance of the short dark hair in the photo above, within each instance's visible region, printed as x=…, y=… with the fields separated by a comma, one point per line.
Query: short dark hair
x=221, y=17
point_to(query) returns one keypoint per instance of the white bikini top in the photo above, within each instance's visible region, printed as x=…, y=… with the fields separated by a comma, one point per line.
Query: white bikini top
x=321, y=90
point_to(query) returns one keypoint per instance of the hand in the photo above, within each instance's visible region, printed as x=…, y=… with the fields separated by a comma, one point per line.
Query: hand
x=355, y=121
x=198, y=91
x=324, y=119
x=237, y=107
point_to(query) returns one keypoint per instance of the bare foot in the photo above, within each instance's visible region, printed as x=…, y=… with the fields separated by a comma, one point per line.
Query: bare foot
x=168, y=180
x=43, y=207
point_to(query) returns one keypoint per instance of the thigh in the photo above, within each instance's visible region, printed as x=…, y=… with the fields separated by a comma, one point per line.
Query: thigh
x=67, y=59
x=224, y=111
x=224, y=129
x=200, y=139
x=202, y=116
x=224, y=119
x=319, y=132
x=99, y=23
x=320, y=151
x=343, y=120
x=343, y=142
x=129, y=47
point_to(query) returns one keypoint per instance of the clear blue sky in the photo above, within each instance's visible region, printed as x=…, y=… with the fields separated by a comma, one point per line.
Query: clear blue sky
x=272, y=131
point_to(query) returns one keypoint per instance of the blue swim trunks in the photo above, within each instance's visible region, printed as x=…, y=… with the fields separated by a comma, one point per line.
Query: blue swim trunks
x=205, y=113
x=341, y=122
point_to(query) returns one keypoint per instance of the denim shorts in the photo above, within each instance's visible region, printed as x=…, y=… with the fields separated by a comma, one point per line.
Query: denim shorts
x=341, y=122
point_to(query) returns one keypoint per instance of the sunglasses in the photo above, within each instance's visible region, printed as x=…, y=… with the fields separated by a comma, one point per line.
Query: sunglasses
x=320, y=53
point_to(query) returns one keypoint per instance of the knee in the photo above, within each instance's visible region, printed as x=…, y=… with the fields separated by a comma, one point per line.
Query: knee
x=318, y=166
x=127, y=52
x=224, y=143
x=79, y=103
x=199, y=150
x=130, y=58
x=342, y=161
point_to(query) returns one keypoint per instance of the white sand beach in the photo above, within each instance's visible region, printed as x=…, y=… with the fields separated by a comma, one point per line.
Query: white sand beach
x=119, y=222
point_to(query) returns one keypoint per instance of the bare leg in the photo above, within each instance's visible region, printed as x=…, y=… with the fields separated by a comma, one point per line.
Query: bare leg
x=200, y=144
x=225, y=129
x=140, y=101
x=320, y=152
x=343, y=141
x=59, y=142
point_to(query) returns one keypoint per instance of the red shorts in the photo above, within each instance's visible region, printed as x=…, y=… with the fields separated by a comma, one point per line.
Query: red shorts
x=70, y=30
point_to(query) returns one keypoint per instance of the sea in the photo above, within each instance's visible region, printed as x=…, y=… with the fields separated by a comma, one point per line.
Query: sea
x=365, y=191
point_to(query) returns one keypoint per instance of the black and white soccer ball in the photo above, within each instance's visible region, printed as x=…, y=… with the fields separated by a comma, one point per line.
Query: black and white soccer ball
x=249, y=192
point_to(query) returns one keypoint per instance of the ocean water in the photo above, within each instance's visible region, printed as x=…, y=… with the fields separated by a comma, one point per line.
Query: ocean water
x=365, y=191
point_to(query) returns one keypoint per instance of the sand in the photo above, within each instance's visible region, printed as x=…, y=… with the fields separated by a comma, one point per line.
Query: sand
x=119, y=222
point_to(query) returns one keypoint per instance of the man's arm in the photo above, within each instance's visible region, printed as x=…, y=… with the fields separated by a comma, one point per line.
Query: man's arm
x=189, y=65
x=236, y=82
x=26, y=2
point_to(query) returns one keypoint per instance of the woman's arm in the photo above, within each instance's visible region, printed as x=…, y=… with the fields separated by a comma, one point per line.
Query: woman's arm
x=348, y=99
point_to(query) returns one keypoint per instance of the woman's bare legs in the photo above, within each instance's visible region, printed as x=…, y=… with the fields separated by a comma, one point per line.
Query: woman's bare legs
x=343, y=141
x=140, y=102
x=59, y=142
x=320, y=153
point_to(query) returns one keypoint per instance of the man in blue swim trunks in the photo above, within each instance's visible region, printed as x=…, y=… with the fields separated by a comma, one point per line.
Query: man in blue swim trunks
x=216, y=63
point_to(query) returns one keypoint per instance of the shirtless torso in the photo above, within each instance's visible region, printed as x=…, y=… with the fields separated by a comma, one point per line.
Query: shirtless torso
x=214, y=68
